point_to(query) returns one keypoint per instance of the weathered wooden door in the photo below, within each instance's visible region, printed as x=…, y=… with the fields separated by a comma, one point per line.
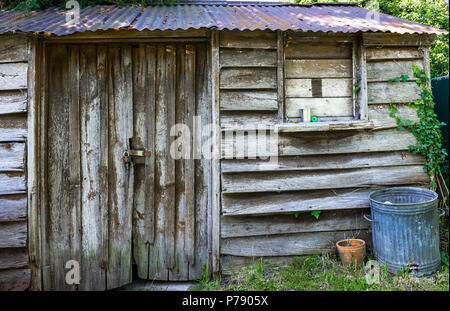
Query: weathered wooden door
x=171, y=198
x=106, y=213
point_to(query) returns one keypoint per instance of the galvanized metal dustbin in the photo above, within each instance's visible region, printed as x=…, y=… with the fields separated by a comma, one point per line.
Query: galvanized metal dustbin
x=405, y=229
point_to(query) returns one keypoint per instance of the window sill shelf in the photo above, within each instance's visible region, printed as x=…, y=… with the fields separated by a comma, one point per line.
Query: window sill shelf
x=324, y=126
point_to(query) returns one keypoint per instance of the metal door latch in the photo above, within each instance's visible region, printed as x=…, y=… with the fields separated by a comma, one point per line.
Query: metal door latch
x=128, y=154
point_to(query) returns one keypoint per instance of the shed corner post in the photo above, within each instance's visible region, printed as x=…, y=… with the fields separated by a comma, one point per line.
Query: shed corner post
x=215, y=163
x=35, y=63
x=425, y=50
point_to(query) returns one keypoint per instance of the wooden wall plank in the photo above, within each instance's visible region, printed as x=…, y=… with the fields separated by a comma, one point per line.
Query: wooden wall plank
x=288, y=245
x=300, y=180
x=386, y=70
x=63, y=240
x=290, y=202
x=360, y=101
x=248, y=39
x=189, y=164
x=13, y=121
x=233, y=264
x=331, y=143
x=92, y=274
x=329, y=87
x=247, y=58
x=246, y=226
x=12, y=157
x=13, y=128
x=103, y=74
x=13, y=102
x=312, y=143
x=318, y=50
x=14, y=107
x=13, y=258
x=380, y=115
x=234, y=119
x=12, y=183
x=389, y=53
x=144, y=69
x=298, y=87
x=280, y=76
x=13, y=208
x=203, y=205
x=15, y=280
x=249, y=143
x=397, y=40
x=214, y=173
x=13, y=234
x=248, y=100
x=321, y=68
x=387, y=93
x=8, y=135
x=157, y=253
x=180, y=266
x=322, y=162
x=321, y=107
x=167, y=182
x=13, y=76
x=248, y=78
x=13, y=49
x=34, y=151
x=311, y=37
x=120, y=173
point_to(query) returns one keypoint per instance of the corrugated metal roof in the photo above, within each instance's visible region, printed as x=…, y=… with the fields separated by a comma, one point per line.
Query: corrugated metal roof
x=326, y=17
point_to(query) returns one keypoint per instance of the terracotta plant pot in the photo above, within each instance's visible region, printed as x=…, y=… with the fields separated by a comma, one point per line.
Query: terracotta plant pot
x=351, y=251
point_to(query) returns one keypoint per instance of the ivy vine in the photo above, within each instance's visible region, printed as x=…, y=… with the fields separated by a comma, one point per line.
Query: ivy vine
x=428, y=130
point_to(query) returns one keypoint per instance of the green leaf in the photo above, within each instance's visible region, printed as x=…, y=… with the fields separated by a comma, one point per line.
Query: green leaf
x=444, y=258
x=315, y=214
x=296, y=214
x=404, y=78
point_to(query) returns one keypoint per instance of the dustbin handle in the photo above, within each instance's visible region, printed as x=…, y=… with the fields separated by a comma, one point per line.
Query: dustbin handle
x=366, y=217
x=443, y=212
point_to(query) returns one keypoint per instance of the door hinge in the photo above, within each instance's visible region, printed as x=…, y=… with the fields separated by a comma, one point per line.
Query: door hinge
x=128, y=154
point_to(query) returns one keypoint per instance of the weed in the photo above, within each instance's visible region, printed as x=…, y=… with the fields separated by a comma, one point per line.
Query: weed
x=321, y=273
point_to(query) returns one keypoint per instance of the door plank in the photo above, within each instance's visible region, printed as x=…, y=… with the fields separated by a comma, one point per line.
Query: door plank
x=144, y=69
x=157, y=253
x=169, y=182
x=120, y=173
x=92, y=274
x=190, y=90
x=63, y=165
x=202, y=166
x=180, y=268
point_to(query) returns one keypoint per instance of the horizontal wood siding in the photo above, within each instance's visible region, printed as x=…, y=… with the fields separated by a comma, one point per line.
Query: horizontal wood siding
x=248, y=78
x=332, y=172
x=14, y=272
x=286, y=224
x=15, y=280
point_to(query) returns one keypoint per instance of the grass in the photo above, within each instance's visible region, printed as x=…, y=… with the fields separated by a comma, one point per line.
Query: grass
x=320, y=273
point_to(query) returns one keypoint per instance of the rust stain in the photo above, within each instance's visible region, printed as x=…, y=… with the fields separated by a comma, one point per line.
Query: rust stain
x=7, y=145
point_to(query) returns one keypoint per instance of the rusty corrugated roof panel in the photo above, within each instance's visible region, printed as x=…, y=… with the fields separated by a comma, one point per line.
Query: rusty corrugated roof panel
x=327, y=17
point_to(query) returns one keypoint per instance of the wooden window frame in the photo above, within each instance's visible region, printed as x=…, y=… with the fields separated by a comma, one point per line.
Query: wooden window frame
x=359, y=99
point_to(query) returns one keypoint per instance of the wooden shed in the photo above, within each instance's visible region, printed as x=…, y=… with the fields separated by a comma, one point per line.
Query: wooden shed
x=87, y=115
